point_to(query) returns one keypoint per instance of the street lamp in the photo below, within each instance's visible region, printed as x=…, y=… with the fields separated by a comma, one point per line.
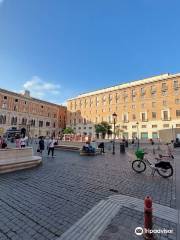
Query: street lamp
x=137, y=124
x=114, y=122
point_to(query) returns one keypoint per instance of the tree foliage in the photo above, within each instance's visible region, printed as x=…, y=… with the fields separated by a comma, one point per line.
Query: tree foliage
x=103, y=128
x=68, y=130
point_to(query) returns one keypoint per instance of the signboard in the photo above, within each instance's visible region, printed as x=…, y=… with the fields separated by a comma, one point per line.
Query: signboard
x=1, y=131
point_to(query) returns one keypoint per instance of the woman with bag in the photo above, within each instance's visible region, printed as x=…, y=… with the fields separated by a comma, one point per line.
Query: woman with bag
x=41, y=145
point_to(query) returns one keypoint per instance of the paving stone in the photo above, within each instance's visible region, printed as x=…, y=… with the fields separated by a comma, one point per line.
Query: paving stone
x=47, y=200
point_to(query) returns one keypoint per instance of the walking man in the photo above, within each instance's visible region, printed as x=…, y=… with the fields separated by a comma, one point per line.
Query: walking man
x=51, y=144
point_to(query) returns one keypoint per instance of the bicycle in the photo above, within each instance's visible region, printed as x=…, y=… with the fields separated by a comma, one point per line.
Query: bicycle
x=163, y=168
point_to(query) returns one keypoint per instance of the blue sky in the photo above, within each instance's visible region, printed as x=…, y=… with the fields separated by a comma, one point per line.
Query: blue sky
x=60, y=48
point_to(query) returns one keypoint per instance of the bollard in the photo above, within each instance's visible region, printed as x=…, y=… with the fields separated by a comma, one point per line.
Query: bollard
x=148, y=224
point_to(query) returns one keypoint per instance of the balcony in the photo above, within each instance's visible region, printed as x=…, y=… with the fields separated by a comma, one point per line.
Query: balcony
x=144, y=120
x=166, y=119
x=125, y=121
x=176, y=87
x=164, y=89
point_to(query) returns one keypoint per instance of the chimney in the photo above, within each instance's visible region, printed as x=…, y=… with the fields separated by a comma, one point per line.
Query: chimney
x=27, y=93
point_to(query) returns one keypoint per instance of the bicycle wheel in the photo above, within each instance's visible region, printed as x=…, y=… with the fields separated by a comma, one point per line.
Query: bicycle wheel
x=165, y=173
x=138, y=166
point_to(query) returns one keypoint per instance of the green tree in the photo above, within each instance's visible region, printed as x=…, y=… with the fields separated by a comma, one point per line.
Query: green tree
x=103, y=128
x=68, y=130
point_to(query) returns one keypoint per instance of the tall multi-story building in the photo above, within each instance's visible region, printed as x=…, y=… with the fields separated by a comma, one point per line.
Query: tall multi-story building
x=36, y=116
x=143, y=107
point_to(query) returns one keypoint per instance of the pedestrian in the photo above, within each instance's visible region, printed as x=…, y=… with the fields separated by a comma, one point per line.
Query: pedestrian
x=1, y=140
x=51, y=145
x=18, y=145
x=41, y=145
x=101, y=146
x=4, y=144
x=23, y=142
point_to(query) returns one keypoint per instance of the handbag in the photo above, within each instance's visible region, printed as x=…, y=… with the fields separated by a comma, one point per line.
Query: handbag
x=38, y=150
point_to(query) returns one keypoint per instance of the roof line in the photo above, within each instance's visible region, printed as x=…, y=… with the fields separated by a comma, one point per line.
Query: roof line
x=127, y=85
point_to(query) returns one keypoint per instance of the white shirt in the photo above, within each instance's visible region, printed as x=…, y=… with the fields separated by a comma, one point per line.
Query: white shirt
x=51, y=143
x=23, y=141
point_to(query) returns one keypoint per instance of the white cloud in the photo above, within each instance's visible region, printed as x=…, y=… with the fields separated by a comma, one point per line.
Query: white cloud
x=40, y=88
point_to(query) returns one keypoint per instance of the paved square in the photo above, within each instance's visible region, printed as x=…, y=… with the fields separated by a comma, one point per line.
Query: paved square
x=43, y=203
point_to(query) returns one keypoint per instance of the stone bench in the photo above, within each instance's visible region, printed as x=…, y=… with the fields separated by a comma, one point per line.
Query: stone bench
x=13, y=159
x=68, y=148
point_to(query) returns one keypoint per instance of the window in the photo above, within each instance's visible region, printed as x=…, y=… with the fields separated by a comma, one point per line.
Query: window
x=164, y=89
x=125, y=135
x=143, y=126
x=33, y=123
x=143, y=92
x=16, y=100
x=175, y=84
x=14, y=121
x=79, y=128
x=177, y=113
x=5, y=97
x=134, y=134
x=178, y=125
x=133, y=106
x=41, y=106
x=153, y=104
x=177, y=101
x=133, y=98
x=117, y=98
x=124, y=127
x=40, y=123
x=165, y=125
x=110, y=98
x=153, y=90
x=154, y=115
x=97, y=101
x=144, y=135
x=133, y=93
x=134, y=116
x=125, y=96
x=154, y=135
x=74, y=121
x=134, y=126
x=143, y=117
x=164, y=103
x=142, y=105
x=24, y=121
x=125, y=117
x=154, y=126
x=165, y=115
x=2, y=119
x=164, y=86
x=47, y=124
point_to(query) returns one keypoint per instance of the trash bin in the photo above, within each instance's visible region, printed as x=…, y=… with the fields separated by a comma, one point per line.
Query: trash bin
x=122, y=148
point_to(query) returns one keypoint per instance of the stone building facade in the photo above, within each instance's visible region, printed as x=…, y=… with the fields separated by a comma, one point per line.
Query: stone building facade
x=143, y=107
x=36, y=116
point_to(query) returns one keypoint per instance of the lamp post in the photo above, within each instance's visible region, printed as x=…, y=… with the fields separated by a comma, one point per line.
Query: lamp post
x=114, y=122
x=137, y=124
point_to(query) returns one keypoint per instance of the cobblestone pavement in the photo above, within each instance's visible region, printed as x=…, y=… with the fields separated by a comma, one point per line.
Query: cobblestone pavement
x=44, y=202
x=124, y=223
